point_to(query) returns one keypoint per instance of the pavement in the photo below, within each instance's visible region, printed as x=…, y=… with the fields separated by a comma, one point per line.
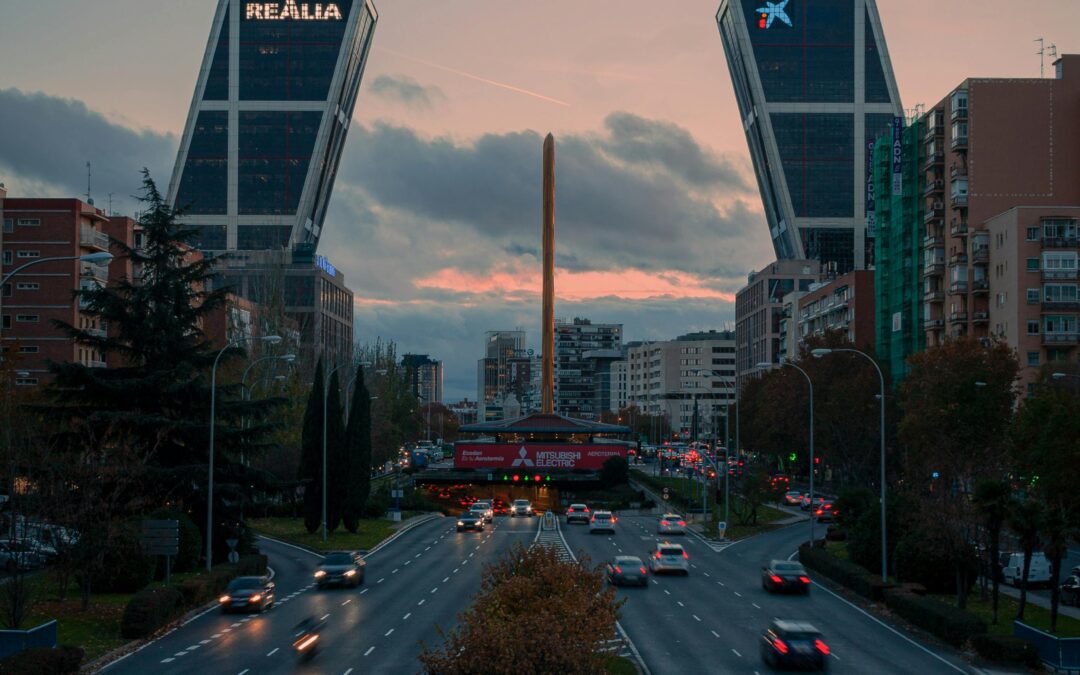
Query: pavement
x=1040, y=598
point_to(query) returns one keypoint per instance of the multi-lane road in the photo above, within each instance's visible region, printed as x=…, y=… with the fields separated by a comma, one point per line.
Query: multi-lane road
x=707, y=622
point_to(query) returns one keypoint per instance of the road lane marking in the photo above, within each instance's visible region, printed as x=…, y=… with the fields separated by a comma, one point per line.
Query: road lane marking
x=407, y=562
x=179, y=653
x=464, y=561
x=272, y=651
x=406, y=617
x=696, y=617
x=236, y=625
x=715, y=633
x=364, y=591
x=346, y=602
x=428, y=548
x=203, y=642
x=171, y=659
x=215, y=636
x=667, y=591
x=456, y=569
x=243, y=671
x=226, y=630
x=421, y=602
x=370, y=649
x=737, y=593
x=325, y=617
x=706, y=574
x=736, y=652
x=472, y=554
x=347, y=671
x=193, y=648
x=395, y=570
x=720, y=582
x=756, y=605
x=679, y=603
x=478, y=547
x=418, y=555
x=381, y=580
x=434, y=589
x=445, y=579
x=388, y=632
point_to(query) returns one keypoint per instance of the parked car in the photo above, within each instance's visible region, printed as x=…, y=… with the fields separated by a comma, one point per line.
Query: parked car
x=19, y=555
x=668, y=557
x=671, y=523
x=783, y=576
x=603, y=521
x=787, y=644
x=1011, y=568
x=1070, y=591
x=627, y=569
x=246, y=594
x=577, y=512
x=344, y=568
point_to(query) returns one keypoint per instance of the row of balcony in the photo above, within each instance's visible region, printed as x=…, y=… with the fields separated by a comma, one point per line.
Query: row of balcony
x=91, y=238
x=958, y=142
x=978, y=287
x=932, y=186
x=1070, y=338
x=1060, y=242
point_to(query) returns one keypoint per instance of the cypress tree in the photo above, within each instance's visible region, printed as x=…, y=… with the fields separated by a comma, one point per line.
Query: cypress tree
x=336, y=479
x=357, y=454
x=310, y=470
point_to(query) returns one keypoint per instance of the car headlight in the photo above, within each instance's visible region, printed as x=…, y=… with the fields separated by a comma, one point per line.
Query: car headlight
x=350, y=573
x=223, y=599
x=460, y=524
x=320, y=573
x=255, y=598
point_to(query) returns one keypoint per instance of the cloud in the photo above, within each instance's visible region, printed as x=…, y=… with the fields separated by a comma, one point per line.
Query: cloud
x=47, y=141
x=405, y=89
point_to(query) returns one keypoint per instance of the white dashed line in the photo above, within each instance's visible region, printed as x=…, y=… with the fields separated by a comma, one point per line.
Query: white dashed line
x=756, y=605
x=472, y=554
x=272, y=651
x=370, y=649
x=347, y=671
x=171, y=659
x=408, y=562
x=706, y=574
x=216, y=636
x=243, y=671
x=364, y=591
x=395, y=571
x=387, y=634
x=445, y=579
x=428, y=548
x=406, y=617
x=456, y=569
x=720, y=582
x=193, y=648
x=418, y=555
x=434, y=589
x=679, y=603
x=346, y=602
x=236, y=625
x=736, y=652
x=696, y=617
x=179, y=654
x=737, y=593
x=381, y=580
x=203, y=642
x=715, y=633
x=421, y=602
x=667, y=591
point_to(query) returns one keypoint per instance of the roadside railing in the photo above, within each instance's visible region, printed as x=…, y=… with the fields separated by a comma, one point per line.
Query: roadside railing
x=1056, y=652
x=15, y=641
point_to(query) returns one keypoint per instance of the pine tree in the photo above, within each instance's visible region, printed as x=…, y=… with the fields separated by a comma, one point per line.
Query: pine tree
x=336, y=479
x=310, y=469
x=357, y=454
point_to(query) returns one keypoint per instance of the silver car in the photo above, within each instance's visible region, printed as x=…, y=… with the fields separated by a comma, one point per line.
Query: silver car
x=671, y=523
x=521, y=507
x=481, y=512
x=489, y=509
x=603, y=521
x=669, y=557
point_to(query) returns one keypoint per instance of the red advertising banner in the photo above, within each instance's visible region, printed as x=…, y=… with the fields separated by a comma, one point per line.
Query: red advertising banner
x=534, y=455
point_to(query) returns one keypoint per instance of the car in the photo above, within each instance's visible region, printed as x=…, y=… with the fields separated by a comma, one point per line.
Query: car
x=19, y=555
x=1070, y=591
x=602, y=521
x=1011, y=566
x=783, y=575
x=480, y=511
x=521, y=507
x=792, y=497
x=826, y=512
x=578, y=512
x=489, y=507
x=247, y=594
x=627, y=570
x=668, y=557
x=671, y=523
x=470, y=520
x=342, y=568
x=804, y=501
x=793, y=644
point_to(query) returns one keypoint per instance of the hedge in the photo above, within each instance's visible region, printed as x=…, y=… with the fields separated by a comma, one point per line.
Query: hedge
x=1007, y=649
x=843, y=572
x=951, y=624
x=43, y=661
x=149, y=610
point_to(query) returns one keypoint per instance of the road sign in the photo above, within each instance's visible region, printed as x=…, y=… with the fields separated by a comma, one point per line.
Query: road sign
x=667, y=494
x=161, y=537
x=234, y=557
x=721, y=529
x=397, y=494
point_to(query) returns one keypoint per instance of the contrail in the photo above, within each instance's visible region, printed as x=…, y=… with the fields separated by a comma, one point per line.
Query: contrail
x=477, y=78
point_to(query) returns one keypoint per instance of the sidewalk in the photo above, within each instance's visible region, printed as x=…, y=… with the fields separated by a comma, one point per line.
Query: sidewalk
x=1044, y=602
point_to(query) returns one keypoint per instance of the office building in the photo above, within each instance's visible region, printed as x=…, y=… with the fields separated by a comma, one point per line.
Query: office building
x=899, y=286
x=759, y=310
x=583, y=353
x=495, y=376
x=845, y=305
x=464, y=410
x=426, y=375
x=620, y=392
x=814, y=85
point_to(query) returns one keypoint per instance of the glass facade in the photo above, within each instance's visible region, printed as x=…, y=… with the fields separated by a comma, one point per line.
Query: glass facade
x=274, y=153
x=877, y=89
x=217, y=82
x=817, y=153
x=261, y=237
x=204, y=186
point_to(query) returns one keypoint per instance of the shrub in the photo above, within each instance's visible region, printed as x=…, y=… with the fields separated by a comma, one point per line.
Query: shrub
x=852, y=503
x=124, y=568
x=949, y=623
x=149, y=611
x=614, y=471
x=843, y=572
x=378, y=502
x=193, y=591
x=1006, y=649
x=43, y=661
x=922, y=558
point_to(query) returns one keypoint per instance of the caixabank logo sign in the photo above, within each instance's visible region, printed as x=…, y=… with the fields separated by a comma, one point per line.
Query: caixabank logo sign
x=773, y=11
x=292, y=11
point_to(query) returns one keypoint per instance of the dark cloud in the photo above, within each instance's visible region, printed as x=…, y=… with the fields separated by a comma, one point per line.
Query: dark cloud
x=406, y=90
x=48, y=140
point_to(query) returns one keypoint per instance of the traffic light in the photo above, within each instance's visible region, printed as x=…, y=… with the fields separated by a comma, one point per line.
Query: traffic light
x=817, y=460
x=517, y=478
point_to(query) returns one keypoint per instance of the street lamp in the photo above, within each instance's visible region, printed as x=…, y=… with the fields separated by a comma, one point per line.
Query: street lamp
x=326, y=395
x=727, y=468
x=268, y=339
x=810, y=384
x=822, y=351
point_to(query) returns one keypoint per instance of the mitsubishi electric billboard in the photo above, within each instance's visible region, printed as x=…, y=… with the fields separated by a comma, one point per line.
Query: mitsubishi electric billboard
x=535, y=455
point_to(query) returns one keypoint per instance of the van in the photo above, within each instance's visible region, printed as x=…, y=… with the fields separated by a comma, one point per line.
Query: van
x=1012, y=569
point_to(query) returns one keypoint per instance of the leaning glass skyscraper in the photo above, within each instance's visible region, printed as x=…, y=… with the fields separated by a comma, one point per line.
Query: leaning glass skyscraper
x=815, y=88
x=268, y=120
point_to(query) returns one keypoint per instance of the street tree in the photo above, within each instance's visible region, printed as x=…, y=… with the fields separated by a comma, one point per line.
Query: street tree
x=357, y=454
x=336, y=476
x=534, y=614
x=310, y=469
x=1026, y=520
x=992, y=501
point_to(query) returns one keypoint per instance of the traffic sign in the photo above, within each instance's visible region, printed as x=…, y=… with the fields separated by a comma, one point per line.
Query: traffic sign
x=234, y=557
x=160, y=537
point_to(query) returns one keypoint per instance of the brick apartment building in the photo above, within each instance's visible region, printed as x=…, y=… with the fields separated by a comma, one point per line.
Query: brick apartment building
x=846, y=304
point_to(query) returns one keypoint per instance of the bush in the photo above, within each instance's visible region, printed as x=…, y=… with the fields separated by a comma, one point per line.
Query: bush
x=852, y=503
x=1006, y=649
x=193, y=591
x=378, y=502
x=951, y=624
x=149, y=611
x=43, y=661
x=923, y=559
x=191, y=542
x=843, y=572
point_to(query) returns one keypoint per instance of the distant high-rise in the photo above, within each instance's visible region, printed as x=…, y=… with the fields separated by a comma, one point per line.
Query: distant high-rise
x=584, y=352
x=815, y=88
x=268, y=119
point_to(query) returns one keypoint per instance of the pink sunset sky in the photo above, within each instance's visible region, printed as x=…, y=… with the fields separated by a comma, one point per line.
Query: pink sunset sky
x=659, y=218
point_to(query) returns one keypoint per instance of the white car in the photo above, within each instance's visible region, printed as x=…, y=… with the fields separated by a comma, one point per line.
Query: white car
x=671, y=523
x=670, y=557
x=1012, y=569
x=489, y=510
x=521, y=507
x=481, y=512
x=793, y=498
x=602, y=521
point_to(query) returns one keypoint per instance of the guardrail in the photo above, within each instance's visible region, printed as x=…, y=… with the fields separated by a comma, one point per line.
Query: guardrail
x=1058, y=653
x=15, y=641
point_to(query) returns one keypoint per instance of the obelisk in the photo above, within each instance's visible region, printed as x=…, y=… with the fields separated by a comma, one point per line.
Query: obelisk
x=547, y=383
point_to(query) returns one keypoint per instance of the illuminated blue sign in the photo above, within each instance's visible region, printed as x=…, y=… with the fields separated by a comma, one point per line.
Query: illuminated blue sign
x=772, y=11
x=322, y=263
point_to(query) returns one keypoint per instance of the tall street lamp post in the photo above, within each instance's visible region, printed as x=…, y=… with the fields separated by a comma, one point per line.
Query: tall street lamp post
x=818, y=353
x=326, y=395
x=727, y=467
x=811, y=385
x=268, y=339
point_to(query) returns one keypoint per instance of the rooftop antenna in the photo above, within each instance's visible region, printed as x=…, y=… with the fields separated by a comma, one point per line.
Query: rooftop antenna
x=1041, y=51
x=89, y=199
x=110, y=205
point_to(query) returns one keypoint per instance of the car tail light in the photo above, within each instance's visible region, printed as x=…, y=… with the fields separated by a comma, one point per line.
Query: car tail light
x=586, y=509
x=643, y=570
x=682, y=522
x=618, y=570
x=775, y=579
x=685, y=555
x=658, y=555
x=593, y=519
x=780, y=646
x=805, y=580
x=821, y=647
x=614, y=519
x=255, y=598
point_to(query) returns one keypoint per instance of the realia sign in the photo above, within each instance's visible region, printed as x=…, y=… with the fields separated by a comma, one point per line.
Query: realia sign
x=291, y=10
x=534, y=455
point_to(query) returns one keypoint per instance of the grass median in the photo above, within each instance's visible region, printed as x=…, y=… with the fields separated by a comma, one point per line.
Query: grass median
x=367, y=536
x=1034, y=615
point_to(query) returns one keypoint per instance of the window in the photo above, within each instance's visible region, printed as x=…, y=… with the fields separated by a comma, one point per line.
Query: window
x=7, y=290
x=1059, y=293
x=5, y=322
x=26, y=318
x=1032, y=264
x=1033, y=234
x=7, y=257
x=1033, y=359
x=27, y=286
x=8, y=225
x=28, y=349
x=1033, y=327
x=1033, y=296
x=1059, y=324
x=28, y=254
x=29, y=222
x=26, y=381
x=1061, y=230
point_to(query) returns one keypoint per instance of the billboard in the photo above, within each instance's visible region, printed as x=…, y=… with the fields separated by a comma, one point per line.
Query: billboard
x=583, y=456
x=897, y=156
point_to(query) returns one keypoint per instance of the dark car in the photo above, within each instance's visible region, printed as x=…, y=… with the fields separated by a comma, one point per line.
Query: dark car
x=1070, y=591
x=826, y=512
x=341, y=568
x=793, y=644
x=627, y=570
x=247, y=594
x=470, y=520
x=784, y=576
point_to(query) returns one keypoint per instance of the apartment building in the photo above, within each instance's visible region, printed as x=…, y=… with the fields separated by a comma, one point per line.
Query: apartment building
x=844, y=304
x=759, y=310
x=583, y=353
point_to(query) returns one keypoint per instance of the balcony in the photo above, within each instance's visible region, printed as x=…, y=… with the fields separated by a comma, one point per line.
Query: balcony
x=97, y=332
x=981, y=255
x=958, y=113
x=933, y=241
x=958, y=229
x=91, y=238
x=980, y=317
x=933, y=130
x=933, y=324
x=958, y=317
x=957, y=171
x=1058, y=274
x=96, y=364
x=958, y=287
x=959, y=201
x=980, y=286
x=1060, y=242
x=958, y=259
x=932, y=186
x=934, y=268
x=933, y=158
x=92, y=271
x=1059, y=305
x=934, y=296
x=958, y=143
x=933, y=212
x=1060, y=338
